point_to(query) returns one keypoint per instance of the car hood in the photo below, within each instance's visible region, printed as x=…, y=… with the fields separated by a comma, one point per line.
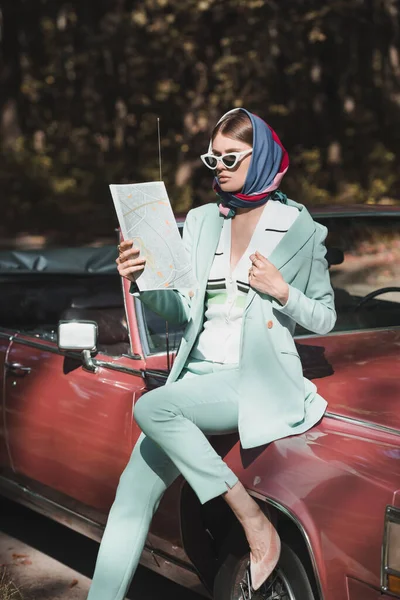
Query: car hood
x=358, y=374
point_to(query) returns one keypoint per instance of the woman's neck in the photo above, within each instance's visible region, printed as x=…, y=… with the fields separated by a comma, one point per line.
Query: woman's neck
x=249, y=213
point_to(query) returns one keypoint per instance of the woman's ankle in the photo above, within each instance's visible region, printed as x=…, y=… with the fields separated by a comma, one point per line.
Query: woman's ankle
x=242, y=504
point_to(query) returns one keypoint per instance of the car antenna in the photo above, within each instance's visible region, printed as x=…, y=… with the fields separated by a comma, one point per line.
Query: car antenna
x=159, y=146
x=166, y=322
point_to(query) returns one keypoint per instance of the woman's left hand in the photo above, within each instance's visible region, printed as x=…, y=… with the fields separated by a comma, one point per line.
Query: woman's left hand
x=267, y=279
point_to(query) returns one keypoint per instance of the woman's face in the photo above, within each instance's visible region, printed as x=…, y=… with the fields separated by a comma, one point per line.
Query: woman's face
x=230, y=180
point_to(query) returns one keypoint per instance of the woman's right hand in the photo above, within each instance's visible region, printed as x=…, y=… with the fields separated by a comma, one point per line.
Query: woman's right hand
x=130, y=264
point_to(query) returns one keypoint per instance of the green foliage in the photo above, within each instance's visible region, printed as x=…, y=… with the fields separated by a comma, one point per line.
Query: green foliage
x=83, y=83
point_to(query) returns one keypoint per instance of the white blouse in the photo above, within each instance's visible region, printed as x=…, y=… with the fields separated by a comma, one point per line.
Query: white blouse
x=226, y=291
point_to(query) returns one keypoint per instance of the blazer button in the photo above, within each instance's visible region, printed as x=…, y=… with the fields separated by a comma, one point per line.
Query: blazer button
x=270, y=324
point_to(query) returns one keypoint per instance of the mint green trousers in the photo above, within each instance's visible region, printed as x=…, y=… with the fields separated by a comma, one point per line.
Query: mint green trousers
x=175, y=420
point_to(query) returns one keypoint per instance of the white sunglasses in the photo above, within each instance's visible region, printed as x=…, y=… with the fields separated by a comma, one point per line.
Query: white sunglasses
x=229, y=160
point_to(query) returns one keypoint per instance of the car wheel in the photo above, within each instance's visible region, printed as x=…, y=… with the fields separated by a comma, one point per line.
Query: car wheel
x=288, y=581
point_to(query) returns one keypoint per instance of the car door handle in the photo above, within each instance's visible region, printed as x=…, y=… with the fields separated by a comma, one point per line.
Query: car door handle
x=18, y=369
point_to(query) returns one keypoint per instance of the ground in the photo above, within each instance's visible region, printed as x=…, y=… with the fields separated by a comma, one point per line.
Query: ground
x=47, y=561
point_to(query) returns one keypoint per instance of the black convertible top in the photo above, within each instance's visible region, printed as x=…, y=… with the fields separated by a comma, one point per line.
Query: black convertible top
x=101, y=261
x=72, y=261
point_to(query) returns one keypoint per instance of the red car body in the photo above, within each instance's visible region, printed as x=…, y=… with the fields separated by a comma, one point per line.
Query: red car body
x=66, y=434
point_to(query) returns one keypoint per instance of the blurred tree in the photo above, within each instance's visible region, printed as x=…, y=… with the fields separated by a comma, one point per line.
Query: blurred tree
x=82, y=84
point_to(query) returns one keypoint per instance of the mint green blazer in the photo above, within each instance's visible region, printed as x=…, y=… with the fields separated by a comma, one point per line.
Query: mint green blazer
x=275, y=399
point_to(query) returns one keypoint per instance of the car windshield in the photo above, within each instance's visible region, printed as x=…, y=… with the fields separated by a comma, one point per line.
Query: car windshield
x=364, y=256
x=367, y=282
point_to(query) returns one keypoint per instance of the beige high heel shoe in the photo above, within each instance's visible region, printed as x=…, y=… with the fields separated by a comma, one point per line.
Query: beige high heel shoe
x=260, y=571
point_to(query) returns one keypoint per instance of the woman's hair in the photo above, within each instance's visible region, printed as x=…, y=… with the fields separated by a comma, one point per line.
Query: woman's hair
x=236, y=126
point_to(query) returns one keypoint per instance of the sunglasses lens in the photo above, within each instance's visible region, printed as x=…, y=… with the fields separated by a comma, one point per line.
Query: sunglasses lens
x=210, y=161
x=229, y=160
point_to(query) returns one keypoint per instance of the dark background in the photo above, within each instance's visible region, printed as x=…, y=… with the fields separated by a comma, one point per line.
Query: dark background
x=83, y=82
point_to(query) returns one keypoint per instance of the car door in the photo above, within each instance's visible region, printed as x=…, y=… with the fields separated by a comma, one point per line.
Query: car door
x=70, y=430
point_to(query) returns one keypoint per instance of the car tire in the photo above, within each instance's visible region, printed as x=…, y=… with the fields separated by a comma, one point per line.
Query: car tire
x=289, y=579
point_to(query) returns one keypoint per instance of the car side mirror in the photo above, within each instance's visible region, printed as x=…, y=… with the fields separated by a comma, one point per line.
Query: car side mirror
x=78, y=336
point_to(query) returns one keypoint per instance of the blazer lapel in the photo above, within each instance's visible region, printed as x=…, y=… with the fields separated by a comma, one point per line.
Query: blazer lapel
x=208, y=242
x=294, y=239
x=290, y=244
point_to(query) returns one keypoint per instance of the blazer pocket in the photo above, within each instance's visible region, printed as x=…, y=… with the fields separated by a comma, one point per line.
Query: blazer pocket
x=292, y=365
x=291, y=352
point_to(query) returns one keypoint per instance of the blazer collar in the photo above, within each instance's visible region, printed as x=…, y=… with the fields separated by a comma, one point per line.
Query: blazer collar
x=294, y=239
x=291, y=243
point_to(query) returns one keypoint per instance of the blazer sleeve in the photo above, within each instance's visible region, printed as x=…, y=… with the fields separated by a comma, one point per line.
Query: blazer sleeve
x=171, y=305
x=315, y=308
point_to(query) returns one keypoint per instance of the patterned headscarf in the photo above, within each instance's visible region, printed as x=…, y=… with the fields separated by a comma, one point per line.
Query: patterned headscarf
x=268, y=164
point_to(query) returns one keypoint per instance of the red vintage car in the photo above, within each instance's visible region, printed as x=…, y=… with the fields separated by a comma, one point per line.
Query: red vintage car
x=66, y=426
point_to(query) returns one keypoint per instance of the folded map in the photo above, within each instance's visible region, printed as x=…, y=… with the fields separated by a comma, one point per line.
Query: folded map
x=145, y=217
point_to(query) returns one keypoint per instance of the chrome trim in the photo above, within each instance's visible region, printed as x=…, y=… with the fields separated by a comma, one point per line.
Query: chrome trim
x=48, y=508
x=156, y=560
x=306, y=336
x=363, y=423
x=161, y=374
x=131, y=356
x=42, y=346
x=88, y=362
x=300, y=527
x=122, y=369
x=377, y=214
x=157, y=354
x=154, y=378
x=125, y=299
x=6, y=335
x=77, y=355
x=4, y=411
x=392, y=514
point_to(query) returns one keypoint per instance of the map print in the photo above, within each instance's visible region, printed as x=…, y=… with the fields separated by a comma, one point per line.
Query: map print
x=145, y=217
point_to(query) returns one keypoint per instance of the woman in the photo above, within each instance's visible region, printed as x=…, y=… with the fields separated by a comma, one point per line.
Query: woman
x=260, y=262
